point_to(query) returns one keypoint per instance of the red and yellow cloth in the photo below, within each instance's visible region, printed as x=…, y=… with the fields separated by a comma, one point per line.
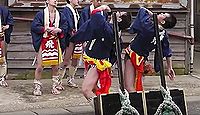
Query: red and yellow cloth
x=138, y=64
x=51, y=51
x=103, y=69
x=78, y=49
x=2, y=58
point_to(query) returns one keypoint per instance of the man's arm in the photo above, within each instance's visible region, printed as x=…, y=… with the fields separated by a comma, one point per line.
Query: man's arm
x=170, y=71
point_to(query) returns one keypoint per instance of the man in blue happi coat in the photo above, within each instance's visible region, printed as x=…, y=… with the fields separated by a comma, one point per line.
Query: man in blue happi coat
x=6, y=28
x=144, y=42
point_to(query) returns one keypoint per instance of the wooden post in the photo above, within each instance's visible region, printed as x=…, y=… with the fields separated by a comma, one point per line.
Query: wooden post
x=3, y=2
x=159, y=51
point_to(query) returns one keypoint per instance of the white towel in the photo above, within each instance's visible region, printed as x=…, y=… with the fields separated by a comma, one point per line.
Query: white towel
x=46, y=20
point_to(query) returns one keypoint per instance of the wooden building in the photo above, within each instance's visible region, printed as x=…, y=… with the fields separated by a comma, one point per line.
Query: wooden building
x=21, y=53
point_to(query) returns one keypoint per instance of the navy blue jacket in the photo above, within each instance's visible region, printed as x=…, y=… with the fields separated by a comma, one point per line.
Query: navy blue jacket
x=145, y=40
x=6, y=19
x=99, y=34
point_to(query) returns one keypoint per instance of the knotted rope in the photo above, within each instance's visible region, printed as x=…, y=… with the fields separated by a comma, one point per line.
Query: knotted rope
x=168, y=107
x=126, y=108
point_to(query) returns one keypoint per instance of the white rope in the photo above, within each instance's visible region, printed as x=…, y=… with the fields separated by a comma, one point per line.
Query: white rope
x=168, y=107
x=126, y=108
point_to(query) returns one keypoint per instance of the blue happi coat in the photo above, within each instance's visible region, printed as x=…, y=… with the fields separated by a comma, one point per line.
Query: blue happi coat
x=6, y=19
x=38, y=26
x=145, y=40
x=99, y=34
x=70, y=19
x=84, y=15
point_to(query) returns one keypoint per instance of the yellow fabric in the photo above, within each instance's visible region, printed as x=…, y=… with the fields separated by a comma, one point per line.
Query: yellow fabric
x=60, y=53
x=138, y=60
x=2, y=59
x=76, y=56
x=100, y=64
x=49, y=63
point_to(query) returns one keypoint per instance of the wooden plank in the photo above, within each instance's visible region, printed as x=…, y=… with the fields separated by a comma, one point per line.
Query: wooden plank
x=13, y=64
x=20, y=48
x=21, y=40
x=20, y=55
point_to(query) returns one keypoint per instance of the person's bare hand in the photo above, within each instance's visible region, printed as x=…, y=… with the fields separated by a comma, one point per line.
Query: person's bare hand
x=171, y=74
x=56, y=31
x=73, y=32
x=104, y=8
x=5, y=27
x=50, y=29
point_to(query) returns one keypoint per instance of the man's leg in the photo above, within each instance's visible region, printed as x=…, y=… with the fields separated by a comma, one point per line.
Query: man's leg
x=89, y=83
x=55, y=79
x=3, y=65
x=129, y=75
x=38, y=73
x=72, y=72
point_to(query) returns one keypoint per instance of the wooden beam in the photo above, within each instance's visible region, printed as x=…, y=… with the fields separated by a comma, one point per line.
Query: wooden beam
x=22, y=19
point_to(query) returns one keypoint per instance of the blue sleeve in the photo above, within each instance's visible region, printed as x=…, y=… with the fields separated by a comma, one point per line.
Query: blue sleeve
x=87, y=31
x=37, y=25
x=108, y=31
x=83, y=34
x=167, y=52
x=64, y=26
x=9, y=21
x=142, y=21
x=84, y=16
x=68, y=14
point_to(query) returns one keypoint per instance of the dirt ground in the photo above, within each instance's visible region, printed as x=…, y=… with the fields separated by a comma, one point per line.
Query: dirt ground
x=18, y=96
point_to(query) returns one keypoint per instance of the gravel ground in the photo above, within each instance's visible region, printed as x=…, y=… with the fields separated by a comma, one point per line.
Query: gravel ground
x=18, y=96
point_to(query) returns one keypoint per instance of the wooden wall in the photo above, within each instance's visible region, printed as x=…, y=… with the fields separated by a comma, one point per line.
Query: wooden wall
x=21, y=53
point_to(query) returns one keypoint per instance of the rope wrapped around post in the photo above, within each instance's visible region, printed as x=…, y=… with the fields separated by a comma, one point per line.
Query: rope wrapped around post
x=126, y=108
x=168, y=107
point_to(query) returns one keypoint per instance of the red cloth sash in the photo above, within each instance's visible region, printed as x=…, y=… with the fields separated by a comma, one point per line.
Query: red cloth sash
x=138, y=64
x=104, y=78
x=105, y=82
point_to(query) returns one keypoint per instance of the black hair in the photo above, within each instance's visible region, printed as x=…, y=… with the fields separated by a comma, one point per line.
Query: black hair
x=126, y=21
x=68, y=1
x=109, y=13
x=170, y=22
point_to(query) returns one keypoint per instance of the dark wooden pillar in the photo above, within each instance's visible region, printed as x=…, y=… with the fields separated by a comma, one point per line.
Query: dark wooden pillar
x=196, y=20
x=3, y=2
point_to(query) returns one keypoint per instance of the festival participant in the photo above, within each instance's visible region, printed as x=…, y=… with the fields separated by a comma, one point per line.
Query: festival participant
x=71, y=12
x=79, y=49
x=6, y=28
x=87, y=10
x=99, y=34
x=145, y=42
x=84, y=16
x=48, y=30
